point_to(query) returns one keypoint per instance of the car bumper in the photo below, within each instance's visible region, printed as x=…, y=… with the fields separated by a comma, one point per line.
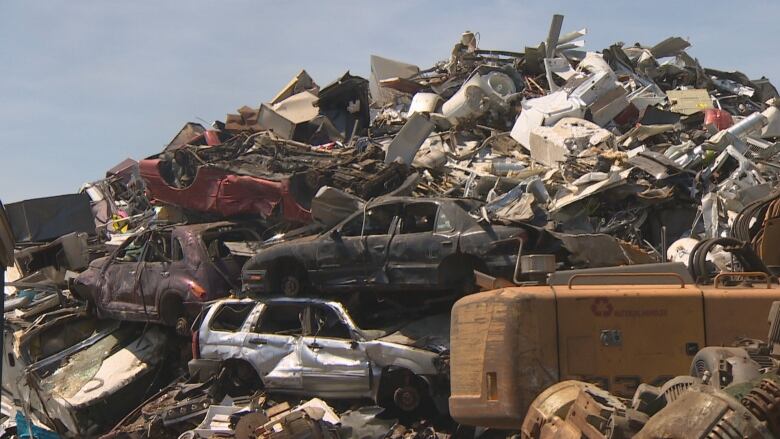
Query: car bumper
x=202, y=369
x=254, y=281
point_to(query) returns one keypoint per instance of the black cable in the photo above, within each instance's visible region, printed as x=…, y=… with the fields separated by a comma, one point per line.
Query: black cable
x=742, y=251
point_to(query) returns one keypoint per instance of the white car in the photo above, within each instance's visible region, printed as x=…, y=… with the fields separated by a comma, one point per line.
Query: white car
x=313, y=347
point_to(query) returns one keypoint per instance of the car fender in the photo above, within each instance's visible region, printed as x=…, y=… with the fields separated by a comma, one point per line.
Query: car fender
x=392, y=355
x=87, y=284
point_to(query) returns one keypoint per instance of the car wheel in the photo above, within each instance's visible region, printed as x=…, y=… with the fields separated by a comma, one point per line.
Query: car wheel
x=467, y=283
x=291, y=282
x=457, y=274
x=400, y=389
x=240, y=378
x=291, y=285
x=407, y=398
x=171, y=309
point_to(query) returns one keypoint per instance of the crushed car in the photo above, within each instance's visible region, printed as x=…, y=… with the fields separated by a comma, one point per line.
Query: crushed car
x=165, y=274
x=394, y=243
x=87, y=391
x=313, y=347
x=76, y=374
x=274, y=179
x=402, y=244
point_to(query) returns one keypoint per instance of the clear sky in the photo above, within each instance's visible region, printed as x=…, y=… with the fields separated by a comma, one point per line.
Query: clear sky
x=85, y=84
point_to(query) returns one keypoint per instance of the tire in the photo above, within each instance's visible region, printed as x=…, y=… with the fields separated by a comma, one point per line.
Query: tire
x=408, y=398
x=402, y=390
x=291, y=281
x=457, y=274
x=240, y=378
x=467, y=283
x=171, y=309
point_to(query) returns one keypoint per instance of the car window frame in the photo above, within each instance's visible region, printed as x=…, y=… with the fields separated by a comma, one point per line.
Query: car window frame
x=241, y=328
x=215, y=231
x=364, y=214
x=439, y=212
x=393, y=221
x=114, y=255
x=340, y=227
x=422, y=202
x=147, y=247
x=258, y=320
x=309, y=332
x=177, y=242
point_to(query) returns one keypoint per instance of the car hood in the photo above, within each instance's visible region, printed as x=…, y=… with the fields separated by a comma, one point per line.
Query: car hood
x=429, y=333
x=281, y=240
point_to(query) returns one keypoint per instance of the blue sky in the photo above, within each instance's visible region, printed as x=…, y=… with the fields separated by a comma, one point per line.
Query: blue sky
x=85, y=84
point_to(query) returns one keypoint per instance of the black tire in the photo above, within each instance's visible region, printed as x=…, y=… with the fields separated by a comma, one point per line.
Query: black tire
x=171, y=309
x=240, y=378
x=408, y=398
x=402, y=390
x=290, y=281
x=457, y=274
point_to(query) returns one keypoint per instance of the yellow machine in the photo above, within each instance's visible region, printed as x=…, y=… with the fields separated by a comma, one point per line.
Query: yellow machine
x=613, y=329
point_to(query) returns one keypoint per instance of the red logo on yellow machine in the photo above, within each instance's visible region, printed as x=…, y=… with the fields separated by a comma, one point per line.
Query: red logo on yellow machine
x=601, y=307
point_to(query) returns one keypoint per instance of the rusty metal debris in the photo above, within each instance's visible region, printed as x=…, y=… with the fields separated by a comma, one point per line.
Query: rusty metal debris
x=731, y=393
x=618, y=208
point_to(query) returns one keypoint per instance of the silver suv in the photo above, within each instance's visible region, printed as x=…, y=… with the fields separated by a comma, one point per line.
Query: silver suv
x=313, y=347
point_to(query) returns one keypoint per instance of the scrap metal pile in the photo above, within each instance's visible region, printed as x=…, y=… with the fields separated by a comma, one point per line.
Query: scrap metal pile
x=386, y=188
x=638, y=142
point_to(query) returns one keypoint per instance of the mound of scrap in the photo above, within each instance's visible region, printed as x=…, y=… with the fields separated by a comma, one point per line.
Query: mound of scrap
x=638, y=142
x=634, y=154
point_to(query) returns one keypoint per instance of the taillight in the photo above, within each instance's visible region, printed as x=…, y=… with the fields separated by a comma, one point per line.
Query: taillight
x=197, y=290
x=195, y=345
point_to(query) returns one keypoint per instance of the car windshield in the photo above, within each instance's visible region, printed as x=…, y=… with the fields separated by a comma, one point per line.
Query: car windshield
x=131, y=252
x=59, y=337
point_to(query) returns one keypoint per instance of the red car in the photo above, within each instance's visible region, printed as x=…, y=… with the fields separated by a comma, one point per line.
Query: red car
x=216, y=191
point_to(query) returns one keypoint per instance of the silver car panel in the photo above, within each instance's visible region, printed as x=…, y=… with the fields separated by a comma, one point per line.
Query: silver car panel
x=322, y=366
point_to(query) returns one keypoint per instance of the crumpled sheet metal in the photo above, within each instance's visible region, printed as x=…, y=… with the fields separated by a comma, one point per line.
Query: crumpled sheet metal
x=101, y=372
x=330, y=206
x=625, y=132
x=600, y=250
x=569, y=136
x=363, y=423
x=218, y=192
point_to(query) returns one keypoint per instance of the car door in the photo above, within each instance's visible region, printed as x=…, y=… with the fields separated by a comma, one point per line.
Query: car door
x=227, y=265
x=155, y=268
x=120, y=277
x=273, y=345
x=228, y=329
x=342, y=255
x=333, y=358
x=380, y=228
x=426, y=236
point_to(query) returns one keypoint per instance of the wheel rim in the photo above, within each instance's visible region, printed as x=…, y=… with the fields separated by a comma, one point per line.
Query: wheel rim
x=407, y=398
x=291, y=286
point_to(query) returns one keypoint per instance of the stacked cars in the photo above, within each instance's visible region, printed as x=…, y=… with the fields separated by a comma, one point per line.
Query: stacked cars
x=618, y=209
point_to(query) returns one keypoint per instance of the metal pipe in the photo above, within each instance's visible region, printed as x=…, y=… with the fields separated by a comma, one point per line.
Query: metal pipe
x=663, y=244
